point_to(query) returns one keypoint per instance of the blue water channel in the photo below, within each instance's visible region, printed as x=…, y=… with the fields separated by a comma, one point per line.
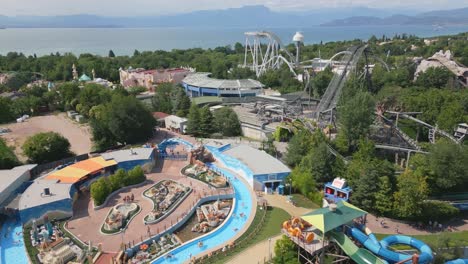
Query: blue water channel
x=12, y=250
x=235, y=223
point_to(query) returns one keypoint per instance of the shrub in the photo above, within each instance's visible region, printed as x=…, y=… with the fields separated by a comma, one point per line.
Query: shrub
x=46, y=147
x=438, y=211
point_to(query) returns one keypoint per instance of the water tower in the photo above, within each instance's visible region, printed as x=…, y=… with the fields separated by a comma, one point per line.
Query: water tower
x=298, y=39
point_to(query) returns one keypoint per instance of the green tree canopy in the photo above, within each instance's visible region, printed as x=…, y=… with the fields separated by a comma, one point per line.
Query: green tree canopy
x=6, y=110
x=412, y=191
x=123, y=120
x=8, y=158
x=434, y=77
x=226, y=122
x=162, y=100
x=193, y=122
x=46, y=147
x=206, y=122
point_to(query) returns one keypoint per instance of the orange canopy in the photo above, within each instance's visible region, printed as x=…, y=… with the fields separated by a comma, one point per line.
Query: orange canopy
x=79, y=170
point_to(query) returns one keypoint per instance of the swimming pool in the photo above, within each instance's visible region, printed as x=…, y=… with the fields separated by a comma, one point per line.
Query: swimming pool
x=224, y=233
x=11, y=242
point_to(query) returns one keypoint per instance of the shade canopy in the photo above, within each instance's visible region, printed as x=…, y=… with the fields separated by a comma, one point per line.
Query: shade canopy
x=79, y=170
x=326, y=220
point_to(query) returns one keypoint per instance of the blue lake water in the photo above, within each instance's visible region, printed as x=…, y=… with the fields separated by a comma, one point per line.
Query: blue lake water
x=123, y=41
x=225, y=232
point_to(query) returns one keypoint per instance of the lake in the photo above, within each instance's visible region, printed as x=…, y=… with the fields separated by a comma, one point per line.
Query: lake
x=123, y=41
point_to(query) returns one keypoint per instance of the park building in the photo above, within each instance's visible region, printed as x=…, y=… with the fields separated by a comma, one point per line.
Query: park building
x=54, y=193
x=201, y=84
x=262, y=171
x=150, y=78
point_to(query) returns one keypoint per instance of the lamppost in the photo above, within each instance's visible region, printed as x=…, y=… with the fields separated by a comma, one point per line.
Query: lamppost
x=122, y=231
x=269, y=249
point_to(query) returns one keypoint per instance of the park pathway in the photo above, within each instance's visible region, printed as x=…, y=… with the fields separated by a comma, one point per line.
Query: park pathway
x=258, y=253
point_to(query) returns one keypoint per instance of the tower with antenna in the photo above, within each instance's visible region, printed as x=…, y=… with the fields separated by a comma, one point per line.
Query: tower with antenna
x=298, y=39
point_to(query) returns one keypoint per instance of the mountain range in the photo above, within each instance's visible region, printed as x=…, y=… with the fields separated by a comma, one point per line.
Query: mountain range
x=249, y=17
x=440, y=18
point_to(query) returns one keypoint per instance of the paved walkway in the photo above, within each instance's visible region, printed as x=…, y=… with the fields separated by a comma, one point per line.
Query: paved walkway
x=259, y=252
x=86, y=222
x=392, y=226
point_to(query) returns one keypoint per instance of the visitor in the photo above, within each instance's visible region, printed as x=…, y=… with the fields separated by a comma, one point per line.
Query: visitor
x=235, y=229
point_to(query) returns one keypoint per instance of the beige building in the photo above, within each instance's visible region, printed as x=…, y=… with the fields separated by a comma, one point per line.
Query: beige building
x=150, y=78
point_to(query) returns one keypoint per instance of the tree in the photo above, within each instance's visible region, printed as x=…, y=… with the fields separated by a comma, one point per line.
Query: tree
x=46, y=147
x=206, y=122
x=193, y=122
x=355, y=116
x=298, y=147
x=111, y=54
x=92, y=95
x=100, y=189
x=226, y=122
x=445, y=167
x=162, y=100
x=182, y=103
x=136, y=175
x=412, y=191
x=321, y=80
x=124, y=120
x=8, y=158
x=434, y=77
x=6, y=110
x=304, y=182
x=285, y=251
x=319, y=163
x=384, y=197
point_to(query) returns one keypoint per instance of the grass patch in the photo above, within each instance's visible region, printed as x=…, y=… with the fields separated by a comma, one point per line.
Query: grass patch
x=302, y=201
x=32, y=251
x=269, y=227
x=454, y=239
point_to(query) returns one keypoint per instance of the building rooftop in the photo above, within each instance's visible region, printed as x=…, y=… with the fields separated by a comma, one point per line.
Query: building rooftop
x=128, y=154
x=10, y=176
x=258, y=161
x=203, y=80
x=34, y=194
x=79, y=170
x=160, y=115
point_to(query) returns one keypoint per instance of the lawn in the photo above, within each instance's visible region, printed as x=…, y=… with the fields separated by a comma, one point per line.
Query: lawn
x=454, y=238
x=302, y=201
x=268, y=228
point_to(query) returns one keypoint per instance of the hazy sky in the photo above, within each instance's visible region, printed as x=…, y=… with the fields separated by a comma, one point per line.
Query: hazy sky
x=156, y=7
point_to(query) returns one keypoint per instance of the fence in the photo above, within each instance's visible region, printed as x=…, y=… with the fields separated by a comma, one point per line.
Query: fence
x=167, y=156
x=238, y=244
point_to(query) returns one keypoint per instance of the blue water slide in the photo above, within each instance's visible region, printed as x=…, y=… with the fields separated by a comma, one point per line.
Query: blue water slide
x=457, y=261
x=381, y=248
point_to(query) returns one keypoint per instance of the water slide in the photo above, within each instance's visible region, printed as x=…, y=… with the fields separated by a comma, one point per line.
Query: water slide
x=457, y=261
x=359, y=255
x=381, y=248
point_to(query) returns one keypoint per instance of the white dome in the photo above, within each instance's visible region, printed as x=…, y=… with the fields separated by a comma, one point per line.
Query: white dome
x=298, y=37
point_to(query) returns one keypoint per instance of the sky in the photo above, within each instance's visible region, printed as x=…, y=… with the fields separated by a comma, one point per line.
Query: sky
x=159, y=7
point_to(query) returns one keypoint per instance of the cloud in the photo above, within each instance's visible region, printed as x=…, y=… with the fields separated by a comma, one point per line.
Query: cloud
x=157, y=7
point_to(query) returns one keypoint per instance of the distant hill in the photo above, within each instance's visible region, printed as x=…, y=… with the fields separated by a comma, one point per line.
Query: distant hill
x=248, y=16
x=441, y=18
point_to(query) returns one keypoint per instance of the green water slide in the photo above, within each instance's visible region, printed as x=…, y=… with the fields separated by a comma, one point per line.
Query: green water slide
x=359, y=255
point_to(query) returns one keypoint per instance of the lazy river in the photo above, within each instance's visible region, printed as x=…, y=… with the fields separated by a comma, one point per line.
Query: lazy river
x=224, y=233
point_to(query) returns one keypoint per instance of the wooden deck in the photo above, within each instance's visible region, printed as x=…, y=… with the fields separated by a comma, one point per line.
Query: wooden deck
x=312, y=248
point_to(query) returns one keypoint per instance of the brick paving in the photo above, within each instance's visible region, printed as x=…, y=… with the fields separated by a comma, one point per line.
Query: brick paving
x=86, y=222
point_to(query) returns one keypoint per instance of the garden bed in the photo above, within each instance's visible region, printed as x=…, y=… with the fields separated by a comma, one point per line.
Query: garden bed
x=205, y=175
x=150, y=251
x=123, y=223
x=166, y=195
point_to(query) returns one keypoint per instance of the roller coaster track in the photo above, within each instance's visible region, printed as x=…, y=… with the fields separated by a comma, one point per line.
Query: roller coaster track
x=433, y=130
x=400, y=132
x=332, y=94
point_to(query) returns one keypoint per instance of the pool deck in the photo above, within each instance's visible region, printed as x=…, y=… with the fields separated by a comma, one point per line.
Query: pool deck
x=86, y=222
x=248, y=222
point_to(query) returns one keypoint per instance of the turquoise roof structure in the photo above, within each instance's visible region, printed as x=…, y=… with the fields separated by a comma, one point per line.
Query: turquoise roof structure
x=84, y=78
